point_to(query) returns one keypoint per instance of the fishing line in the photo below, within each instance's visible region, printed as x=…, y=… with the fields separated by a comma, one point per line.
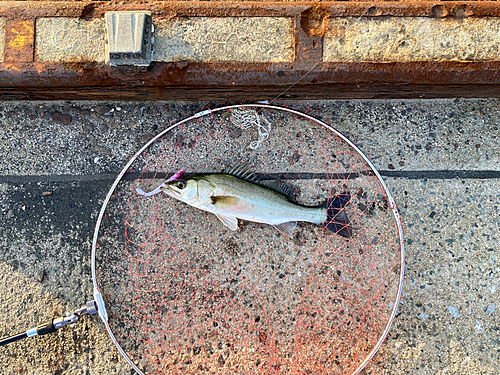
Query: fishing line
x=312, y=68
x=300, y=79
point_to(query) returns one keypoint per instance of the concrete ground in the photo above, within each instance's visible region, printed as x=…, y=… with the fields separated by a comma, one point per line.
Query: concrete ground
x=438, y=157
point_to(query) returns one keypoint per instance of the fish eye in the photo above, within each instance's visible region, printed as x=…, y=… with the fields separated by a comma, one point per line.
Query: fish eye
x=181, y=184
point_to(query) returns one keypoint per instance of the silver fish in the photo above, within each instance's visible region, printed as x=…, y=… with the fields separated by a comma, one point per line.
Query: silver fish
x=236, y=194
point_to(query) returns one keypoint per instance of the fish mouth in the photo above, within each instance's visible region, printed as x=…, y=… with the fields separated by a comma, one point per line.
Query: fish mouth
x=166, y=189
x=171, y=192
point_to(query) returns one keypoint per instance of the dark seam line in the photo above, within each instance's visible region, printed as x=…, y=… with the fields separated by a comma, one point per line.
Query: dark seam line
x=410, y=175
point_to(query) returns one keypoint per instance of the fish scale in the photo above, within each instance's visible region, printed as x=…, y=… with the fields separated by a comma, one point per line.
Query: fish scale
x=262, y=204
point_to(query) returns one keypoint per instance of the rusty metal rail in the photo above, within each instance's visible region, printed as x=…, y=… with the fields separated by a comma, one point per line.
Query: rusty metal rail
x=377, y=8
x=307, y=75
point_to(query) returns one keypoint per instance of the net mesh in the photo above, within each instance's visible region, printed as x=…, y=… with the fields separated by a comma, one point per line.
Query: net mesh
x=186, y=295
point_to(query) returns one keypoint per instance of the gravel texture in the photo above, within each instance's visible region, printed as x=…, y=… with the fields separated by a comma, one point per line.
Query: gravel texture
x=412, y=39
x=258, y=39
x=60, y=39
x=60, y=159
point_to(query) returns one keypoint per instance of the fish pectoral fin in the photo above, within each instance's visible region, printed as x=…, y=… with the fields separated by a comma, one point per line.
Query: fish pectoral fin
x=229, y=221
x=287, y=229
x=222, y=201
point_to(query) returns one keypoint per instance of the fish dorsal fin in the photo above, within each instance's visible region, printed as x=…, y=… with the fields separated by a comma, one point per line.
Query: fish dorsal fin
x=282, y=187
x=229, y=221
x=242, y=170
x=287, y=229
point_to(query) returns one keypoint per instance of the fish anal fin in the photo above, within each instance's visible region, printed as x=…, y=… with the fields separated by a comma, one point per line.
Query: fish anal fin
x=243, y=170
x=287, y=228
x=229, y=221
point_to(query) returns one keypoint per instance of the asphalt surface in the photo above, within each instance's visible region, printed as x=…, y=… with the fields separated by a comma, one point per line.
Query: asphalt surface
x=438, y=157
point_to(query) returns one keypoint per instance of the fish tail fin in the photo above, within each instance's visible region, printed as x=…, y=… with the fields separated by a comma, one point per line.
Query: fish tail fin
x=336, y=216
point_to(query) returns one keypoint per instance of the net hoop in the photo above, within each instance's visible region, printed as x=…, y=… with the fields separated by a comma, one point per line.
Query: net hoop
x=392, y=205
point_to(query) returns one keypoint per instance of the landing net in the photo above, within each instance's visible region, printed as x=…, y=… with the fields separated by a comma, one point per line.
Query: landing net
x=186, y=295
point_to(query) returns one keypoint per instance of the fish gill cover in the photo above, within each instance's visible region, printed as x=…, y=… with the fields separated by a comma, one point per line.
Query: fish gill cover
x=186, y=295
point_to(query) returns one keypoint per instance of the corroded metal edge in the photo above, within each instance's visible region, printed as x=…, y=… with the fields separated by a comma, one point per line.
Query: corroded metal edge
x=21, y=77
x=377, y=8
x=240, y=81
x=80, y=74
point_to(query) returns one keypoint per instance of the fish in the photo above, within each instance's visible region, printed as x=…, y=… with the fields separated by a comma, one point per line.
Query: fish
x=238, y=194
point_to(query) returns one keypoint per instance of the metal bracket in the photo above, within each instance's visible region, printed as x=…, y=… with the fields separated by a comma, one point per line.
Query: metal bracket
x=101, y=309
x=129, y=38
x=89, y=308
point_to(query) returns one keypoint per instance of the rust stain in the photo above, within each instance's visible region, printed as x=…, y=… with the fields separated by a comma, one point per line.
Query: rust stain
x=19, y=38
x=39, y=67
x=23, y=35
x=22, y=78
x=231, y=8
x=313, y=21
x=11, y=67
x=169, y=76
x=307, y=48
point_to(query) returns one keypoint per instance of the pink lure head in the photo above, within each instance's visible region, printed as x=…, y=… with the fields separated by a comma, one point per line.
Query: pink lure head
x=177, y=176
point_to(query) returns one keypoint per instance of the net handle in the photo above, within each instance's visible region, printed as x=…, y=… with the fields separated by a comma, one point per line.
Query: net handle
x=97, y=293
